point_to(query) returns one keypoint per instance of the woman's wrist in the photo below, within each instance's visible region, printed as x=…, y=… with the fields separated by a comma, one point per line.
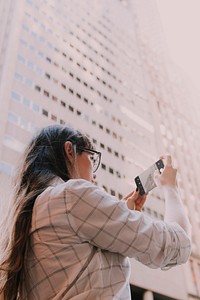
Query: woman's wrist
x=169, y=187
x=171, y=194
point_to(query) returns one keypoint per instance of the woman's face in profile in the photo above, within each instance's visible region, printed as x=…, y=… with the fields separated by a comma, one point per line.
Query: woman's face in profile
x=81, y=163
x=84, y=166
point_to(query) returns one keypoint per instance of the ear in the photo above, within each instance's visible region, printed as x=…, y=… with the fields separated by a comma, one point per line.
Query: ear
x=69, y=151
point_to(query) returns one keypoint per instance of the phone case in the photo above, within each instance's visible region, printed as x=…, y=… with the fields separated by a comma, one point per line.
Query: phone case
x=145, y=181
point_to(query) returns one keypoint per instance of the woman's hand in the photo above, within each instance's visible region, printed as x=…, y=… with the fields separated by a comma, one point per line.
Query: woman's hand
x=135, y=201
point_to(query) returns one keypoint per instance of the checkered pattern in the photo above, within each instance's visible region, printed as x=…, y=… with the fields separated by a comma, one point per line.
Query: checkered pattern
x=76, y=220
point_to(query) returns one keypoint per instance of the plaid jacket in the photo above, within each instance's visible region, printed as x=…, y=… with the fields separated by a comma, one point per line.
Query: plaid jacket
x=80, y=233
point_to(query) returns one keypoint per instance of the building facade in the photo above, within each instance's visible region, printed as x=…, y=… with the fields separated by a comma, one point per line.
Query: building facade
x=102, y=67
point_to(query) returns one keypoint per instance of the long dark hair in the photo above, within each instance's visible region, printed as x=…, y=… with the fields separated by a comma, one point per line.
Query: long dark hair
x=43, y=160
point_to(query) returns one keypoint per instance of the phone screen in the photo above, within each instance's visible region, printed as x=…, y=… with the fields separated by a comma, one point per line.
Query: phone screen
x=145, y=181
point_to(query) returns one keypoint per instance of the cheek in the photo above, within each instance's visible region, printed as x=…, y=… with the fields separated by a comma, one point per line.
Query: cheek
x=90, y=165
x=84, y=165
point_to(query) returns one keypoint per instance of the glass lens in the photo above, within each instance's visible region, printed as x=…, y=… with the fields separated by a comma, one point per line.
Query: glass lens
x=95, y=161
x=94, y=156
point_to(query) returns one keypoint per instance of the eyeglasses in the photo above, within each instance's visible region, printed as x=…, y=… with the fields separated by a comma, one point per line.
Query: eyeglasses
x=95, y=157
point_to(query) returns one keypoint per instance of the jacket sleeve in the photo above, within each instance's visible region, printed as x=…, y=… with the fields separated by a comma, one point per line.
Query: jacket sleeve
x=106, y=222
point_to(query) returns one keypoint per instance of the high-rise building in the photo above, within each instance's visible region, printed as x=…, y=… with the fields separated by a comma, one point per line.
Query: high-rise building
x=102, y=67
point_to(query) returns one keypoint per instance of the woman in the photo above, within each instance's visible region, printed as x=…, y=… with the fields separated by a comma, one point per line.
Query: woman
x=69, y=239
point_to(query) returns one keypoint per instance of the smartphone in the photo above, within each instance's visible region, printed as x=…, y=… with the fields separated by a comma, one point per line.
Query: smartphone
x=145, y=181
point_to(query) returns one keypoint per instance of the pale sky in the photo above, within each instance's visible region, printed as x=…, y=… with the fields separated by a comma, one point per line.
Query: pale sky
x=181, y=24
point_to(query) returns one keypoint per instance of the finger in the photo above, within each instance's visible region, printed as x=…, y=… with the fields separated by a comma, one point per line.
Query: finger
x=142, y=199
x=133, y=198
x=135, y=195
x=131, y=194
x=140, y=203
x=168, y=159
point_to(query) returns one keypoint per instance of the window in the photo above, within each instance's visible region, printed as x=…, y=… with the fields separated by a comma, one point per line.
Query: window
x=103, y=166
x=155, y=214
x=111, y=170
x=161, y=217
x=37, y=88
x=15, y=96
x=25, y=28
x=49, y=45
x=54, y=98
x=5, y=167
x=45, y=112
x=116, y=154
x=54, y=118
x=46, y=93
x=39, y=71
x=42, y=39
x=47, y=75
x=13, y=143
x=12, y=117
x=78, y=95
x=112, y=192
x=71, y=108
x=63, y=103
x=24, y=124
x=94, y=141
x=29, y=82
x=30, y=65
x=118, y=174
x=148, y=211
x=23, y=42
x=85, y=100
x=33, y=33
x=114, y=135
x=26, y=102
x=32, y=48
x=107, y=130
x=109, y=150
x=18, y=77
x=105, y=188
x=21, y=59
x=35, y=107
x=40, y=54
x=62, y=122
